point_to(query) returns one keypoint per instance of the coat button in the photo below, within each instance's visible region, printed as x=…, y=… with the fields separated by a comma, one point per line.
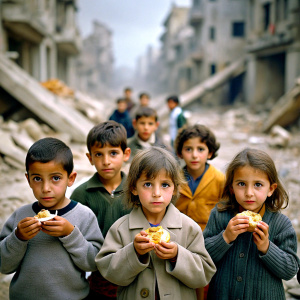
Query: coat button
x=144, y=293
x=239, y=278
x=242, y=255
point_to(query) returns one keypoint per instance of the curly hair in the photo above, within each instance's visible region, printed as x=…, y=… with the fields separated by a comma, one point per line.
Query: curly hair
x=203, y=133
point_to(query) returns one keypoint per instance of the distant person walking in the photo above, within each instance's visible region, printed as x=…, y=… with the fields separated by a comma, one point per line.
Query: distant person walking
x=176, y=117
x=128, y=98
x=121, y=115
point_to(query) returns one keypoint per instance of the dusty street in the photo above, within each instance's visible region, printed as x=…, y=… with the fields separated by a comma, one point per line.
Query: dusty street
x=235, y=129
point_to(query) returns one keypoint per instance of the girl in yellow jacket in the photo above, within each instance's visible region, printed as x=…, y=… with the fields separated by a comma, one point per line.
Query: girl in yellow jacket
x=196, y=145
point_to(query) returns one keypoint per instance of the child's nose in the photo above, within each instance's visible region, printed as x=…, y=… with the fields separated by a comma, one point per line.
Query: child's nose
x=46, y=187
x=249, y=191
x=106, y=160
x=156, y=192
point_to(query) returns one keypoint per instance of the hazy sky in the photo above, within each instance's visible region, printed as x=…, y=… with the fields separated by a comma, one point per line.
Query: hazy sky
x=135, y=23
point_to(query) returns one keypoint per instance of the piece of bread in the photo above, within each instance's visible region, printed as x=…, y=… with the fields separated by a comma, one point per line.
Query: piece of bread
x=44, y=213
x=254, y=218
x=158, y=234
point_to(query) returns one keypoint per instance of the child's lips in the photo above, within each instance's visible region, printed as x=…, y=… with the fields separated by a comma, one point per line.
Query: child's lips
x=47, y=198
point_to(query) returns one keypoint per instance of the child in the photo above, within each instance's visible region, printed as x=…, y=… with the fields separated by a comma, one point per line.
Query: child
x=196, y=145
x=145, y=124
x=50, y=258
x=171, y=270
x=103, y=193
x=144, y=100
x=128, y=97
x=176, y=117
x=251, y=265
x=121, y=115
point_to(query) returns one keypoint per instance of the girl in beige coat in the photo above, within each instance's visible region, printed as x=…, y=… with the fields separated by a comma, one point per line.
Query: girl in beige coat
x=141, y=268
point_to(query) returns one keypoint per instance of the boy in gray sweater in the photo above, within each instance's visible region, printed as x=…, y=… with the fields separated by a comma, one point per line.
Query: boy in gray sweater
x=50, y=258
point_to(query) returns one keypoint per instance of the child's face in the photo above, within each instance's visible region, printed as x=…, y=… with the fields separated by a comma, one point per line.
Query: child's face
x=108, y=160
x=122, y=106
x=155, y=195
x=172, y=104
x=251, y=188
x=145, y=126
x=144, y=101
x=49, y=182
x=195, y=154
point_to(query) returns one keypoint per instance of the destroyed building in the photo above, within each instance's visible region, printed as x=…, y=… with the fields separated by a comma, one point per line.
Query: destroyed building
x=95, y=62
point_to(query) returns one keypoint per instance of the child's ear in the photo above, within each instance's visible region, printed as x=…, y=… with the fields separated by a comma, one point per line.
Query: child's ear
x=157, y=124
x=27, y=177
x=134, y=192
x=71, y=178
x=272, y=189
x=126, y=154
x=88, y=155
x=210, y=154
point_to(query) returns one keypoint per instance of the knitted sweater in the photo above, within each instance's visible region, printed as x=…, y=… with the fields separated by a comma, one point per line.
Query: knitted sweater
x=242, y=271
x=48, y=267
x=107, y=207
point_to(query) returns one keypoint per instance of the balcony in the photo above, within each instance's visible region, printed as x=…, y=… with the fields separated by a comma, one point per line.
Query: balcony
x=68, y=41
x=268, y=40
x=25, y=19
x=195, y=16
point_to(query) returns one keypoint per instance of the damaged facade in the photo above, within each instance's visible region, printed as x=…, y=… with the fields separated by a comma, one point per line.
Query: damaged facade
x=95, y=63
x=40, y=43
x=213, y=35
x=42, y=37
x=273, y=49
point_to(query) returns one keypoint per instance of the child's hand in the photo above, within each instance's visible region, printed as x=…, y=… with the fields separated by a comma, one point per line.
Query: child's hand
x=141, y=243
x=166, y=250
x=236, y=226
x=261, y=237
x=58, y=227
x=28, y=228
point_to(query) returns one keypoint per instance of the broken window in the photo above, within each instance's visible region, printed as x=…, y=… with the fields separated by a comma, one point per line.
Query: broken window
x=238, y=29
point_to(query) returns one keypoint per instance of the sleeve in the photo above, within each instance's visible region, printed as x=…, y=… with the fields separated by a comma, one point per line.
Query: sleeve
x=12, y=250
x=281, y=258
x=84, y=243
x=213, y=236
x=194, y=266
x=114, y=254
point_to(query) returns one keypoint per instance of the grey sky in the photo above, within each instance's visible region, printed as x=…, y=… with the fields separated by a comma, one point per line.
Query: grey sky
x=135, y=23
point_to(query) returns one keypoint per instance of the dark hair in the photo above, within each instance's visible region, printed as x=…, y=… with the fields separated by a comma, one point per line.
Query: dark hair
x=146, y=112
x=50, y=149
x=128, y=89
x=173, y=98
x=205, y=134
x=107, y=133
x=119, y=100
x=150, y=162
x=144, y=95
x=259, y=160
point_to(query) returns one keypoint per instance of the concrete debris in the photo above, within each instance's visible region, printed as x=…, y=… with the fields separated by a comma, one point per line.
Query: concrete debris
x=286, y=111
x=47, y=106
x=279, y=137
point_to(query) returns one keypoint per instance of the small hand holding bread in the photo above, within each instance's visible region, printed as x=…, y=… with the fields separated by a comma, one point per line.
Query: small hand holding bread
x=158, y=234
x=254, y=218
